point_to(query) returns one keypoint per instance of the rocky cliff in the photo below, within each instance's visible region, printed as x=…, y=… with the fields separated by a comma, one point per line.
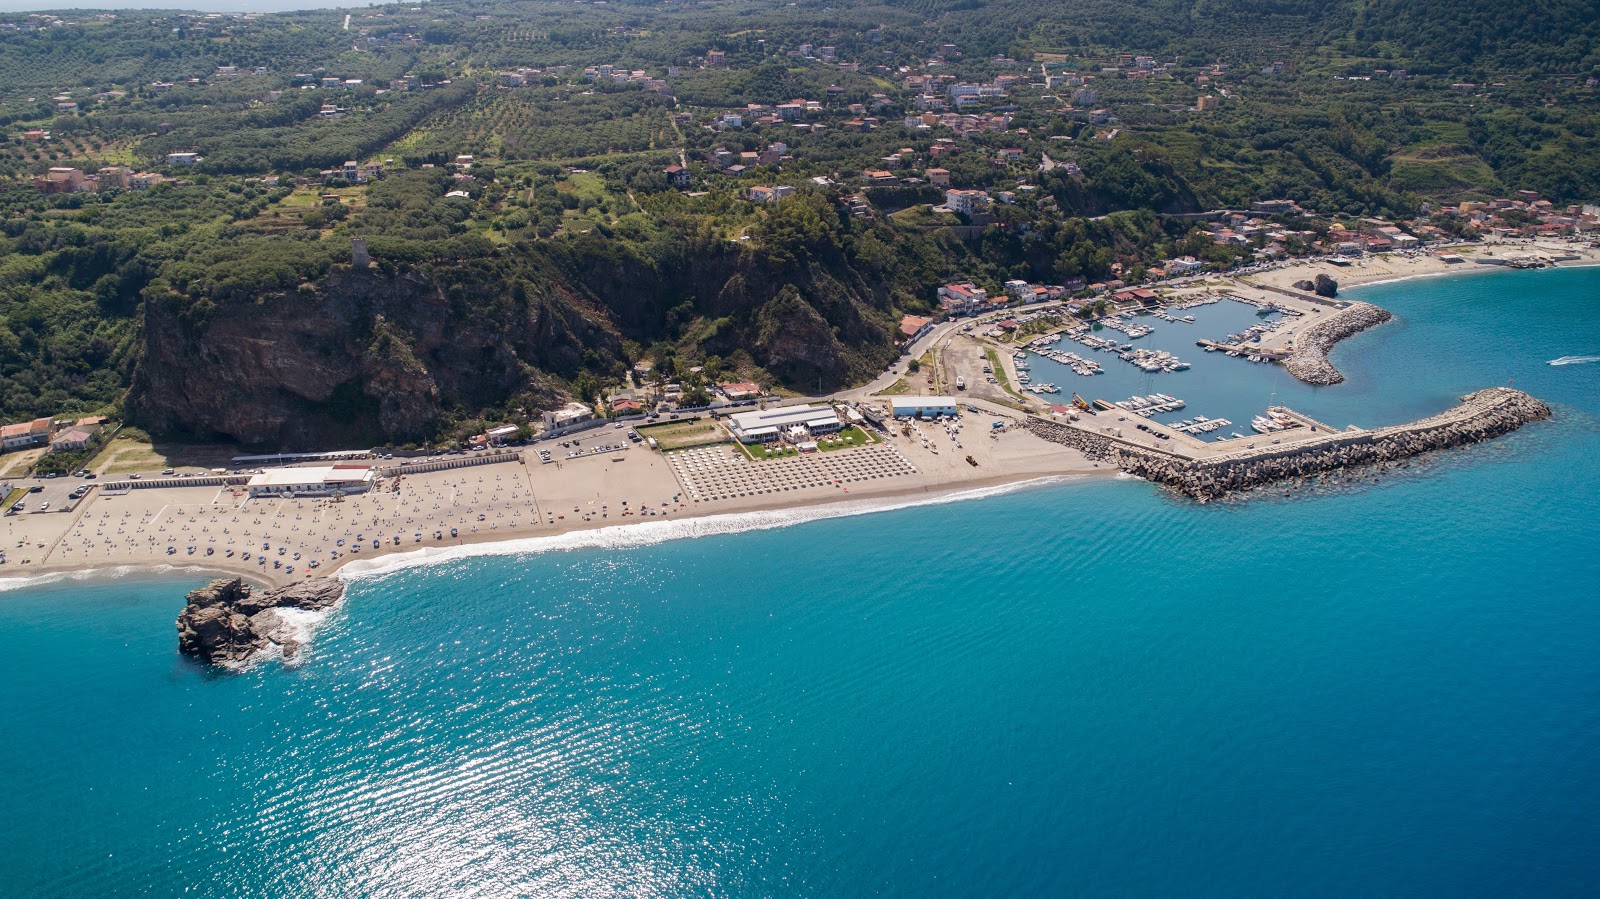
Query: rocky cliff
x=360, y=357
x=393, y=353
x=227, y=623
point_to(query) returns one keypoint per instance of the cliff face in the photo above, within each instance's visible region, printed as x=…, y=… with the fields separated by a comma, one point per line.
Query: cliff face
x=365, y=357
x=387, y=354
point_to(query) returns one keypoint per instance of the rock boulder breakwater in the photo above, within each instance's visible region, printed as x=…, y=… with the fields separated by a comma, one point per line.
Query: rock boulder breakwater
x=1309, y=362
x=227, y=623
x=1480, y=416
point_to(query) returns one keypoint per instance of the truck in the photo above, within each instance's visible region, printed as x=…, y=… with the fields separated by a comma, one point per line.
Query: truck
x=961, y=383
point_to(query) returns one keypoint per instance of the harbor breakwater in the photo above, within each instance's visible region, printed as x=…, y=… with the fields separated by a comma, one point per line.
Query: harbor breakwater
x=1309, y=361
x=1480, y=416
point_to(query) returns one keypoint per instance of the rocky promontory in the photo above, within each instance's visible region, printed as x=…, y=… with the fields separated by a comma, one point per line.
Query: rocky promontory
x=1309, y=361
x=228, y=623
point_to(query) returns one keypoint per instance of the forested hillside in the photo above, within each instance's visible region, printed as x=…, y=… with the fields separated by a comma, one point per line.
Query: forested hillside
x=510, y=168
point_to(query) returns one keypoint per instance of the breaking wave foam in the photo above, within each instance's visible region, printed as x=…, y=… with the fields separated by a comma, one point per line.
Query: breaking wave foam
x=651, y=533
x=9, y=583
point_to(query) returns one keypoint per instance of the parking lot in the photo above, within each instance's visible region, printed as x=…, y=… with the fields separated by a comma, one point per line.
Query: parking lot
x=599, y=441
x=53, y=494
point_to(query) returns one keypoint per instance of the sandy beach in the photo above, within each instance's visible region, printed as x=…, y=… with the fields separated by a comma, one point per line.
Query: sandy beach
x=222, y=530
x=1422, y=264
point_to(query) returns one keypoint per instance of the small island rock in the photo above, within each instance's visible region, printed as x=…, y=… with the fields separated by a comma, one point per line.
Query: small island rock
x=228, y=623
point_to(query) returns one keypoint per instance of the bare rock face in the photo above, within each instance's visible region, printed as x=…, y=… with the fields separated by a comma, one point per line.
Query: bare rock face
x=226, y=623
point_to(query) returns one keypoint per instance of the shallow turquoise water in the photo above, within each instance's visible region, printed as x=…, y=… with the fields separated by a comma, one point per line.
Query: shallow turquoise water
x=1082, y=689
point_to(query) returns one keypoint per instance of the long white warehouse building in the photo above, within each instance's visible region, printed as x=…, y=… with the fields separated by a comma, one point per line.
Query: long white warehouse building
x=923, y=406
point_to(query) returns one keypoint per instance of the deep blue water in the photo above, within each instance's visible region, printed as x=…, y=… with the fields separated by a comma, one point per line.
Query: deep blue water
x=1085, y=689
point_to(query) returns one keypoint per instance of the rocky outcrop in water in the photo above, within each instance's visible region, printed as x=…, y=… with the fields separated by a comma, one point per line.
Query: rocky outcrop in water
x=227, y=623
x=1309, y=361
x=1480, y=416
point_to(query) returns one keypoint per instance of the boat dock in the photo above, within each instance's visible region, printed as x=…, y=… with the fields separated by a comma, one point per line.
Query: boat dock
x=1309, y=449
x=1255, y=353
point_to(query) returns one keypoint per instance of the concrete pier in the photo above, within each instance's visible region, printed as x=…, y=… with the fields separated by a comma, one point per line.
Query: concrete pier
x=1200, y=476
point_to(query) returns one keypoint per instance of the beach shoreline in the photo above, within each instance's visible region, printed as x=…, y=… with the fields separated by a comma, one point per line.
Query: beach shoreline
x=602, y=495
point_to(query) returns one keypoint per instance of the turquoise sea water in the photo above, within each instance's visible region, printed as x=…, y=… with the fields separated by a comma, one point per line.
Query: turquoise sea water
x=1081, y=689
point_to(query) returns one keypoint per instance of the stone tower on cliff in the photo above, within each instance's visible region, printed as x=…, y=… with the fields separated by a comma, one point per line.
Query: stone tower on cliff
x=358, y=252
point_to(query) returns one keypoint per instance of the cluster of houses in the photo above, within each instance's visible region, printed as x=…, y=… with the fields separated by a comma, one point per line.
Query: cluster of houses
x=964, y=298
x=737, y=163
x=963, y=124
x=353, y=172
x=1522, y=215
x=64, y=437
x=938, y=92
x=610, y=73
x=68, y=180
x=623, y=403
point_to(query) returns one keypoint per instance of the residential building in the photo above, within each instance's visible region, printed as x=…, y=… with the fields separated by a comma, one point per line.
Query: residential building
x=966, y=202
x=914, y=326
x=964, y=298
x=740, y=390
x=72, y=440
x=60, y=180
x=25, y=434
x=570, y=414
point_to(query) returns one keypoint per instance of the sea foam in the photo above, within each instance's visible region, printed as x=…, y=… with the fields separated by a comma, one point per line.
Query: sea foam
x=650, y=533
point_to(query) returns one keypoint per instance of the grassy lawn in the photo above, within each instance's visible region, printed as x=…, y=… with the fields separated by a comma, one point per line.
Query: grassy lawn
x=775, y=451
x=584, y=185
x=14, y=494
x=127, y=454
x=846, y=439
x=683, y=434
x=898, y=388
x=18, y=463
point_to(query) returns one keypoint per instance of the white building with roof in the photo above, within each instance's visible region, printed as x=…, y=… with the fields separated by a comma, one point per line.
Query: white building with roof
x=566, y=416
x=321, y=480
x=923, y=406
x=763, y=425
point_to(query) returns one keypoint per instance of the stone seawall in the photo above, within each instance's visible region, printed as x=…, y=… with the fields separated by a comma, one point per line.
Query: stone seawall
x=1480, y=416
x=1309, y=362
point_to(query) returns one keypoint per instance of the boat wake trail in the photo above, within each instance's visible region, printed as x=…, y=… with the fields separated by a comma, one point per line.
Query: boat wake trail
x=1574, y=360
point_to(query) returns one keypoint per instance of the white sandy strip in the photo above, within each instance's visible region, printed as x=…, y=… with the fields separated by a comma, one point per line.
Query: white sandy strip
x=650, y=533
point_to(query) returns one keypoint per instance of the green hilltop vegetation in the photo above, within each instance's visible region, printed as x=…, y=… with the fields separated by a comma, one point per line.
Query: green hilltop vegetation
x=220, y=299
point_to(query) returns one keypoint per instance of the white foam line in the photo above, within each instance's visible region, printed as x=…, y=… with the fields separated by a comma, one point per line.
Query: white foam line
x=9, y=583
x=650, y=533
